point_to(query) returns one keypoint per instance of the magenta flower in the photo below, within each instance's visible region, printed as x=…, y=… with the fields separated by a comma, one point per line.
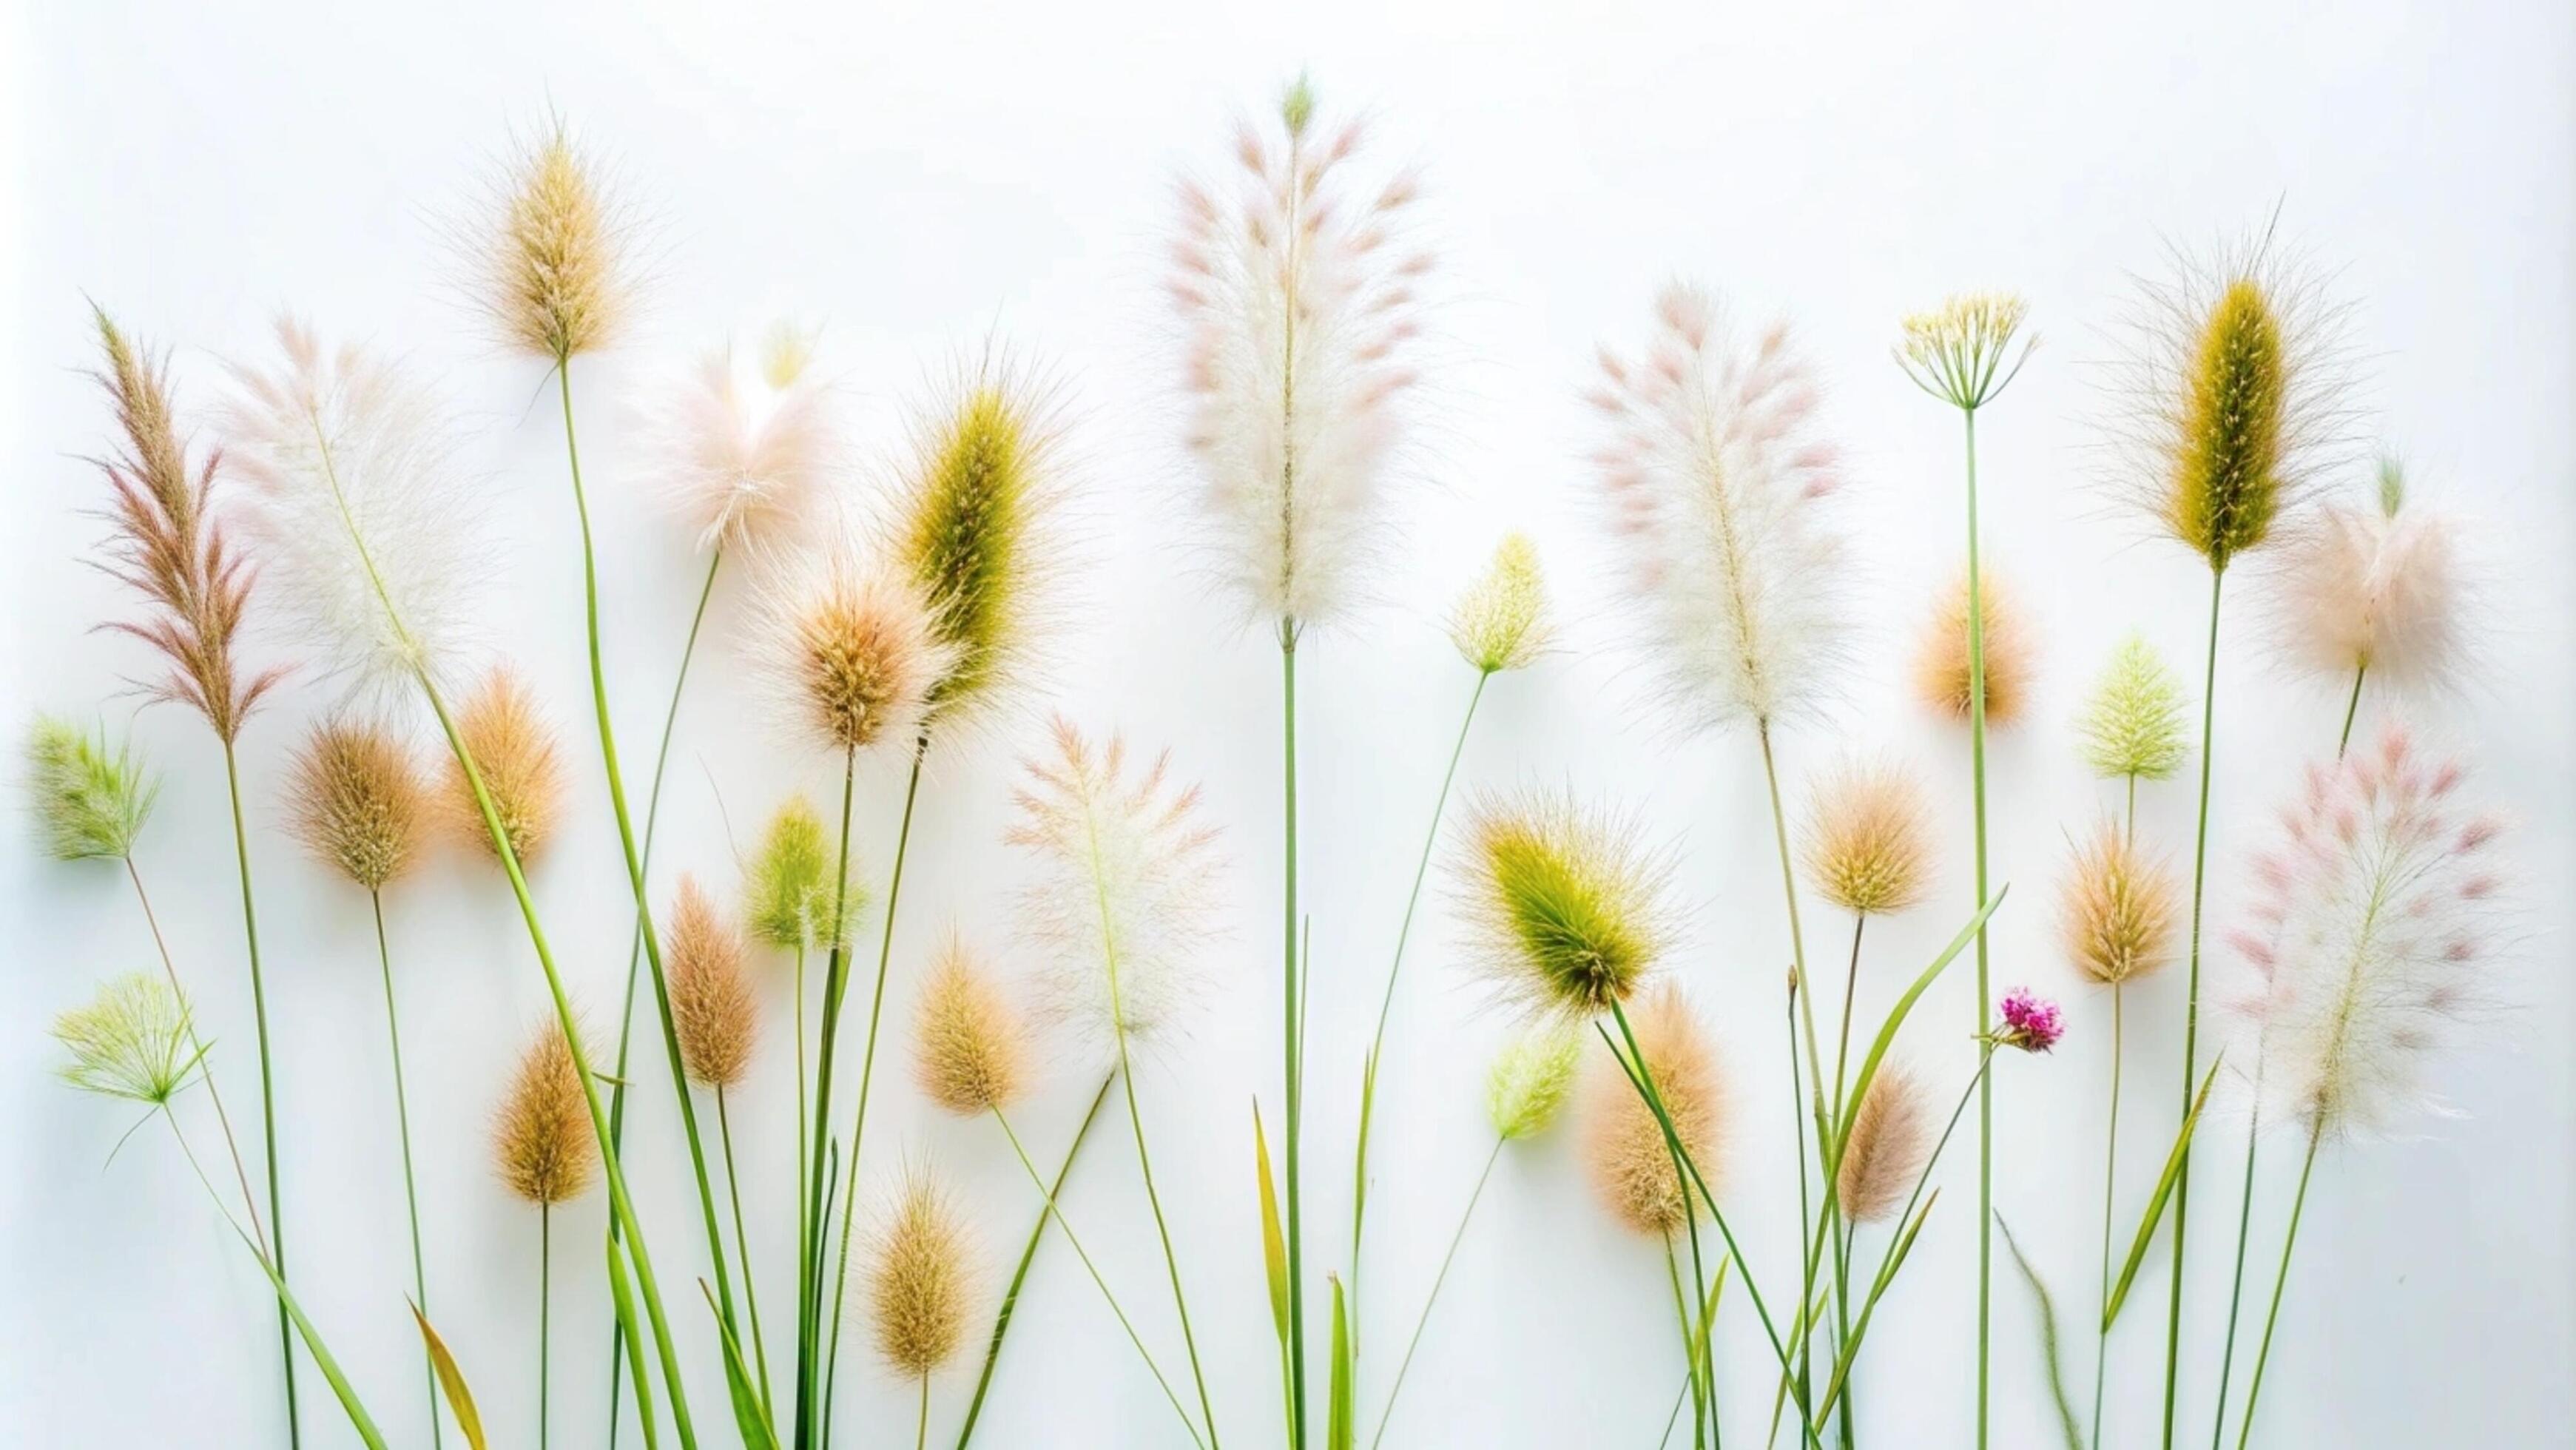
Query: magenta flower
x=2031, y=1022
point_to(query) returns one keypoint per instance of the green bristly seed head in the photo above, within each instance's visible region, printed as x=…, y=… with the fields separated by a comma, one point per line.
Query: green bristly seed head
x=1565, y=905
x=1499, y=622
x=2392, y=486
x=132, y=1042
x=2133, y=725
x=91, y=797
x=965, y=537
x=789, y=884
x=1530, y=1081
x=2227, y=484
x=1297, y=104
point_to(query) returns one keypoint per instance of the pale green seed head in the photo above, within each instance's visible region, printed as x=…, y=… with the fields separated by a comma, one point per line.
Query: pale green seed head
x=1297, y=104
x=2133, y=725
x=91, y=796
x=1530, y=1080
x=1566, y=904
x=1962, y=351
x=2228, y=466
x=788, y=886
x=132, y=1041
x=967, y=535
x=1500, y=623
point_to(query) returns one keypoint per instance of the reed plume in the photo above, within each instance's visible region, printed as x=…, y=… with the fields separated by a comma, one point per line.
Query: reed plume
x=2116, y=908
x=1891, y=1140
x=553, y=249
x=2375, y=589
x=743, y=454
x=1624, y=1148
x=2132, y=725
x=513, y=747
x=90, y=795
x=1564, y=906
x=357, y=802
x=1941, y=664
x=712, y=1012
x=1868, y=847
x=922, y=1278
x=971, y=1053
x=1501, y=622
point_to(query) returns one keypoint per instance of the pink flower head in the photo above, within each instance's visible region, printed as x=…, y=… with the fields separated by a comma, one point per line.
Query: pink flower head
x=2031, y=1022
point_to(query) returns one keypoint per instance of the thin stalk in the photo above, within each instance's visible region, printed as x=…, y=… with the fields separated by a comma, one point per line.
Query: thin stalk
x=1812, y=1252
x=921, y=1435
x=2110, y=1189
x=1985, y=1084
x=2191, y=1008
x=2351, y=709
x=2280, y=1281
x=1842, y=1237
x=742, y=1249
x=1291, y=1041
x=197, y=1041
x=1396, y=1387
x=411, y=1190
x=1690, y=1345
x=545, y=1313
x=809, y=1254
x=267, y=1092
x=1019, y=1276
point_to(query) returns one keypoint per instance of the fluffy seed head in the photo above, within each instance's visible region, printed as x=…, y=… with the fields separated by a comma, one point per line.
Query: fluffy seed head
x=2116, y=908
x=133, y=1041
x=971, y=1048
x=90, y=795
x=1962, y=351
x=513, y=745
x=1891, y=1136
x=788, y=885
x=849, y=649
x=1500, y=623
x=1632, y=1168
x=2375, y=920
x=712, y=1012
x=741, y=458
x=1565, y=906
x=553, y=247
x=1120, y=903
x=1868, y=847
x=1715, y=478
x=357, y=801
x=921, y=1278
x=2375, y=587
x=1941, y=660
x=541, y=1137
x=1530, y=1080
x=2133, y=725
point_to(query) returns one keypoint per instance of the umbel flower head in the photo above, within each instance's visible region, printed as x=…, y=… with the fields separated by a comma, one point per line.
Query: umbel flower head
x=553, y=246
x=2116, y=911
x=356, y=800
x=1715, y=477
x=1632, y=1166
x=2374, y=924
x=1891, y=1136
x=1530, y=1080
x=513, y=745
x=742, y=455
x=1500, y=623
x=1564, y=905
x=90, y=795
x=2375, y=588
x=971, y=1048
x=1299, y=294
x=1868, y=847
x=133, y=1041
x=541, y=1138
x=1962, y=351
x=2133, y=724
x=921, y=1279
x=848, y=648
x=1941, y=665
x=1124, y=883
x=2030, y=1022
x=788, y=885
x=712, y=1012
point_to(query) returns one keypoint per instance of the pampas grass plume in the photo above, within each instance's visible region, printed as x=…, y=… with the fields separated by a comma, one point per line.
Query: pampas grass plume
x=742, y=459
x=132, y=1042
x=1500, y=623
x=2116, y=908
x=1564, y=906
x=541, y=1137
x=1891, y=1136
x=1631, y=1166
x=1530, y=1080
x=712, y=1012
x=848, y=648
x=921, y=1279
x=1868, y=847
x=971, y=1048
x=1941, y=661
x=2375, y=588
x=357, y=802
x=787, y=887
x=90, y=795
x=553, y=248
x=2133, y=725
x=513, y=745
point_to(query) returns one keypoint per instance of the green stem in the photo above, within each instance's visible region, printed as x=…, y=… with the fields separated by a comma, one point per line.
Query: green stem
x=921, y=1435
x=2191, y=1007
x=1396, y=1386
x=2280, y=1281
x=1985, y=1084
x=742, y=1249
x=809, y=1254
x=1842, y=1237
x=1019, y=1276
x=1812, y=1252
x=2110, y=1190
x=197, y=1042
x=2352, y=708
x=267, y=1091
x=1291, y=1019
x=1690, y=1343
x=411, y=1190
x=2236, y=1277
x=545, y=1313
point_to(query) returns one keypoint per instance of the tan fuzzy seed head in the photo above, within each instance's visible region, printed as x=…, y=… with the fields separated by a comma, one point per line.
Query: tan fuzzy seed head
x=712, y=1012
x=2116, y=909
x=554, y=270
x=513, y=745
x=1868, y=846
x=1632, y=1169
x=851, y=650
x=972, y=1047
x=921, y=1279
x=542, y=1136
x=357, y=801
x=1941, y=673
x=1890, y=1138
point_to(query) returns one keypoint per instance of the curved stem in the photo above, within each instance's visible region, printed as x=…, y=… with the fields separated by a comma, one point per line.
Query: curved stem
x=267, y=1091
x=2280, y=1281
x=2191, y=1008
x=742, y=1250
x=1395, y=1387
x=1019, y=1276
x=205, y=1070
x=411, y=1190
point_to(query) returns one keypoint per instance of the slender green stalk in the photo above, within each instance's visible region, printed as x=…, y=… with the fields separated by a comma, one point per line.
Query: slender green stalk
x=198, y=1043
x=742, y=1249
x=809, y=1254
x=1985, y=1085
x=267, y=1091
x=1690, y=1344
x=2191, y=1008
x=2351, y=709
x=1396, y=1386
x=411, y=1190
x=1842, y=1238
x=2280, y=1281
x=545, y=1314
x=2110, y=1189
x=1292, y=1045
x=1811, y=1253
x=1028, y=1256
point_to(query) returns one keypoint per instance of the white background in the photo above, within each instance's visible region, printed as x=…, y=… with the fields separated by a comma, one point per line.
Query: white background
x=917, y=181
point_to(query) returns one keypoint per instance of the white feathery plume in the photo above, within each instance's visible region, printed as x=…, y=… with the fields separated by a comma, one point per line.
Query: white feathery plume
x=741, y=452
x=1298, y=295
x=369, y=522
x=1120, y=902
x=1716, y=479
x=2375, y=919
x=2375, y=588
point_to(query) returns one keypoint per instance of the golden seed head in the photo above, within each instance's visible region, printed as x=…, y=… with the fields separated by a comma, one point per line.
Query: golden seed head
x=1941, y=668
x=921, y=1280
x=542, y=1136
x=712, y=1012
x=972, y=1047
x=513, y=745
x=1632, y=1169
x=2116, y=909
x=1868, y=845
x=555, y=266
x=358, y=801
x=854, y=653
x=1891, y=1136
x=2226, y=482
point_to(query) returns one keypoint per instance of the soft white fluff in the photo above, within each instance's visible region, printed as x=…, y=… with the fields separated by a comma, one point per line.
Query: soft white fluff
x=1716, y=480
x=2373, y=926
x=2378, y=587
x=1298, y=298
x=741, y=453
x=1119, y=904
x=369, y=527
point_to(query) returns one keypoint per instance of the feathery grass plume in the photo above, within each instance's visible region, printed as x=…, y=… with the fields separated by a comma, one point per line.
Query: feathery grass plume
x=741, y=455
x=2116, y=909
x=848, y=647
x=357, y=800
x=169, y=547
x=1530, y=1080
x=1941, y=660
x=1868, y=847
x=541, y=1136
x=1121, y=903
x=2133, y=724
x=787, y=888
x=1631, y=1165
x=1716, y=478
x=552, y=248
x=922, y=1280
x=90, y=795
x=973, y=532
x=132, y=1042
x=971, y=1052
x=1891, y=1138
x=712, y=1012
x=368, y=530
x=1500, y=623
x=1962, y=351
x=1565, y=905
x=2375, y=917
x=1299, y=294
x=513, y=745
x=2375, y=588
